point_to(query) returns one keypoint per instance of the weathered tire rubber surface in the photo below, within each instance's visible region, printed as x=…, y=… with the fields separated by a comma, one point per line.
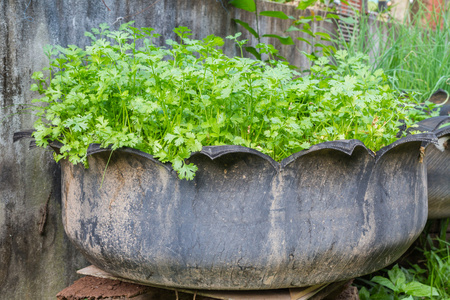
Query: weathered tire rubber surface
x=333, y=212
x=438, y=169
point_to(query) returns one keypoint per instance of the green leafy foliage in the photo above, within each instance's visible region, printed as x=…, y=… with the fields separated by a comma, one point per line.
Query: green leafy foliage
x=399, y=284
x=171, y=101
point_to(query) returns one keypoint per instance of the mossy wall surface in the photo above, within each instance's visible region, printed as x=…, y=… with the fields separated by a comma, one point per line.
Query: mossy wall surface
x=36, y=261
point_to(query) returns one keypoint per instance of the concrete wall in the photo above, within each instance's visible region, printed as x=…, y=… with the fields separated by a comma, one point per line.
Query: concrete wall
x=35, y=263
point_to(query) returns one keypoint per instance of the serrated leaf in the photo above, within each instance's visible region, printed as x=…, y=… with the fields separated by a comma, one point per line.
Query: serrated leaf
x=275, y=120
x=179, y=141
x=169, y=137
x=190, y=135
x=305, y=145
x=187, y=171
x=177, y=163
x=37, y=75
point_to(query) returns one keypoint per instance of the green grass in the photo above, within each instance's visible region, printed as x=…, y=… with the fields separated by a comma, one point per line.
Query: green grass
x=436, y=263
x=414, y=55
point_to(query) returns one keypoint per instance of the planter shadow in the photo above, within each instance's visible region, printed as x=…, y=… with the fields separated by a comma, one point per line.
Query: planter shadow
x=330, y=213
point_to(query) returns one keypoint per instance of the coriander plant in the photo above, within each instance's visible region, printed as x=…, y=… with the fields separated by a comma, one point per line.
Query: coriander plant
x=124, y=91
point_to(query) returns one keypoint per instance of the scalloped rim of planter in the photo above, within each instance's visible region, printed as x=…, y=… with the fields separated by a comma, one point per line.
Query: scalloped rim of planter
x=214, y=152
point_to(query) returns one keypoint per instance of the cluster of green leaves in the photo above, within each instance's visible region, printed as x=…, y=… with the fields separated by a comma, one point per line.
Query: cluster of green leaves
x=427, y=278
x=251, y=6
x=319, y=41
x=400, y=283
x=124, y=91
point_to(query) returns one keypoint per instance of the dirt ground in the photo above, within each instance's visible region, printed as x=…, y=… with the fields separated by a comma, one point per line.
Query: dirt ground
x=99, y=288
x=93, y=288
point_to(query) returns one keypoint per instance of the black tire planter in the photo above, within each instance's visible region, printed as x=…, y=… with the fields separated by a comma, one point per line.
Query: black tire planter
x=246, y=222
x=438, y=168
x=441, y=97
